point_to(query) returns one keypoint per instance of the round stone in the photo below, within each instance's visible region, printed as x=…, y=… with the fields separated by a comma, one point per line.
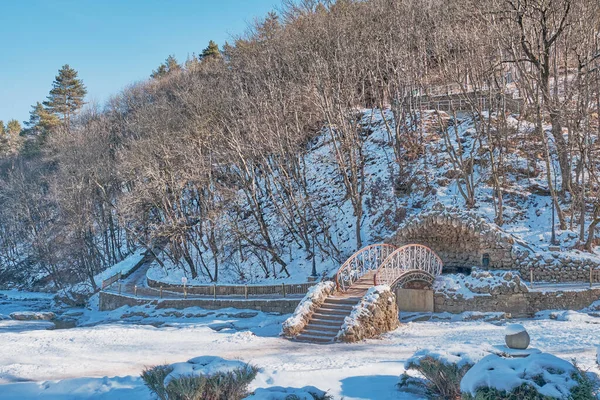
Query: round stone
x=516, y=337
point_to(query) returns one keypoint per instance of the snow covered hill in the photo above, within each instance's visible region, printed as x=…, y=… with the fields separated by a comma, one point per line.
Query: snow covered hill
x=396, y=190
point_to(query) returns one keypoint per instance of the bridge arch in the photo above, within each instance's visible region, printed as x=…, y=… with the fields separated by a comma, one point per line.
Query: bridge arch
x=362, y=262
x=413, y=262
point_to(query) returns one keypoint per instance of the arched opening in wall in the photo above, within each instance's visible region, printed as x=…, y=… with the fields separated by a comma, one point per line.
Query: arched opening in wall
x=460, y=247
x=457, y=270
x=414, y=292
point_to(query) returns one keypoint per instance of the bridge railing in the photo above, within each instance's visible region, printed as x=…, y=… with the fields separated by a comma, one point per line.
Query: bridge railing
x=412, y=257
x=360, y=263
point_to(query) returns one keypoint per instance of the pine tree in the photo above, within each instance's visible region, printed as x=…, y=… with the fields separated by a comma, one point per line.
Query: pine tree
x=41, y=121
x=270, y=26
x=169, y=66
x=67, y=95
x=10, y=141
x=211, y=52
x=2, y=129
x=13, y=127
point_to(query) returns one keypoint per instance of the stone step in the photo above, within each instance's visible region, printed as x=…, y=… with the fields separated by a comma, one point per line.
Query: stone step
x=361, y=285
x=322, y=327
x=336, y=307
x=320, y=330
x=313, y=339
x=329, y=317
x=333, y=311
x=323, y=322
x=342, y=300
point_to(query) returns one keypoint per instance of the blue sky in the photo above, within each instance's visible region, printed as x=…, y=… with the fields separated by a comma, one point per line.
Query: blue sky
x=112, y=43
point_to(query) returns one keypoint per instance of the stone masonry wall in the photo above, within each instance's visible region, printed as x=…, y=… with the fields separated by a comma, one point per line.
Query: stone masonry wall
x=376, y=313
x=518, y=304
x=461, y=240
x=112, y=301
x=458, y=238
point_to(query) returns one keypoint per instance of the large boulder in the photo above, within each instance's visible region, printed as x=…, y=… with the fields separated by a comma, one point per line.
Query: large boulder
x=32, y=316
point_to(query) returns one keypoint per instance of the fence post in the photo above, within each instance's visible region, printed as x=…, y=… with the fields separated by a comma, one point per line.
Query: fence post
x=283, y=289
x=531, y=276
x=246, y=292
x=119, y=287
x=161, y=291
x=591, y=276
x=135, y=290
x=215, y=291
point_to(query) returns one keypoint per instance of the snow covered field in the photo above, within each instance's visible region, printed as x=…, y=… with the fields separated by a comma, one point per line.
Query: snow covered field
x=104, y=359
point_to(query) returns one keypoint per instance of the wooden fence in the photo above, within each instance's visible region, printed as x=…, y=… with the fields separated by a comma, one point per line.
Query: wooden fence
x=109, y=281
x=464, y=103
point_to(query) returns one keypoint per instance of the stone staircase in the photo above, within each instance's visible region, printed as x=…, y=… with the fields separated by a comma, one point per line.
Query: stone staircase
x=327, y=320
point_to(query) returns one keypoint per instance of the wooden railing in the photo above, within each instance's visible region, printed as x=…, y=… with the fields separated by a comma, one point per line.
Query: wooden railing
x=366, y=259
x=109, y=281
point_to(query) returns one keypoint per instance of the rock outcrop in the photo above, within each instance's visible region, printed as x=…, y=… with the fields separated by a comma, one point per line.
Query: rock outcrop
x=32, y=316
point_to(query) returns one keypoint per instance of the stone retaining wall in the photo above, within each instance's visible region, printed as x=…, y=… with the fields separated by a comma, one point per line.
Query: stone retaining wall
x=518, y=304
x=111, y=301
x=234, y=290
x=313, y=300
x=376, y=313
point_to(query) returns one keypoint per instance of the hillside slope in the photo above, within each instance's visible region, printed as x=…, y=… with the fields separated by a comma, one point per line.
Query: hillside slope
x=390, y=197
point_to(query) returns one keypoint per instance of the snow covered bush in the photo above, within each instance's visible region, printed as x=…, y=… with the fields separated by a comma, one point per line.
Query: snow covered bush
x=154, y=379
x=376, y=313
x=442, y=370
x=201, y=378
x=536, y=377
x=313, y=299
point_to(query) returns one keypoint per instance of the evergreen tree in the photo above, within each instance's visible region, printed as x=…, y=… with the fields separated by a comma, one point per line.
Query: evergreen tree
x=192, y=62
x=270, y=26
x=211, y=52
x=67, y=95
x=2, y=129
x=170, y=65
x=10, y=141
x=40, y=120
x=13, y=127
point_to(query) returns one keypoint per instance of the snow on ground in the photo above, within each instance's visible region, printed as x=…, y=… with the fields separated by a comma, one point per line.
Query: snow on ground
x=14, y=300
x=103, y=359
